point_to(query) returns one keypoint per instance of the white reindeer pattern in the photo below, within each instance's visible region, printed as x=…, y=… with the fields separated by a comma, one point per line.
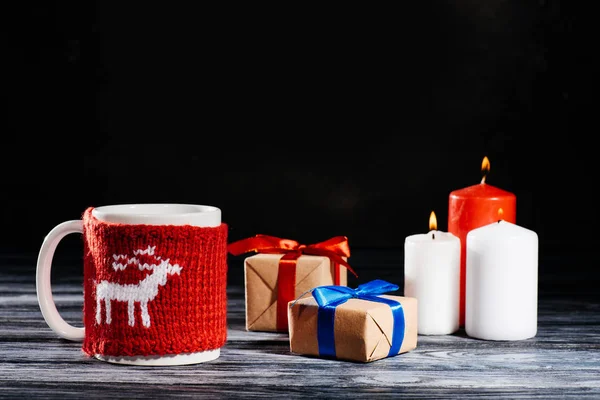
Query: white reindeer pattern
x=142, y=292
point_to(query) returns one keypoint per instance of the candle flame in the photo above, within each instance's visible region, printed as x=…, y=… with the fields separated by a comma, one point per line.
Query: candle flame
x=500, y=214
x=485, y=168
x=432, y=222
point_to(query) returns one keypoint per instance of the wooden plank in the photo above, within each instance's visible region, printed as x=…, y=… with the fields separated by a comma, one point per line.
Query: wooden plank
x=562, y=361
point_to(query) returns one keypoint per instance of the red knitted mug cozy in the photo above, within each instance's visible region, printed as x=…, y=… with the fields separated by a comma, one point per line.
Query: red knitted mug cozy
x=153, y=290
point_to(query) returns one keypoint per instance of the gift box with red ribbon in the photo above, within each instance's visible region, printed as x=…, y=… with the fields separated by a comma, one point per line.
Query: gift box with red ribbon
x=283, y=269
x=362, y=324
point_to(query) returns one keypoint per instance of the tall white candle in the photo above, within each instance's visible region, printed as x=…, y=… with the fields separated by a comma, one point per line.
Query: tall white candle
x=501, y=282
x=432, y=276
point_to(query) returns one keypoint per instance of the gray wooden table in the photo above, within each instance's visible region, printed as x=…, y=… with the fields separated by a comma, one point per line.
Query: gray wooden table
x=562, y=361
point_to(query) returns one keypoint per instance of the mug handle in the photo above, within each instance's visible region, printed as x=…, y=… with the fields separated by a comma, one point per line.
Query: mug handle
x=44, y=286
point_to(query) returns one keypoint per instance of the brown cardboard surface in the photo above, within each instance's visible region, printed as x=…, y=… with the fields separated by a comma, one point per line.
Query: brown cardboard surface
x=260, y=272
x=363, y=329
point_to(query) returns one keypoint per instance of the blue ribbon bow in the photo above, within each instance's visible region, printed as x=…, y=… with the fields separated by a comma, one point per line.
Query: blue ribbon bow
x=329, y=297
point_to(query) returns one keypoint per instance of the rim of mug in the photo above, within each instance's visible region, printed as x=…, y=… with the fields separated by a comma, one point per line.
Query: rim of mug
x=159, y=213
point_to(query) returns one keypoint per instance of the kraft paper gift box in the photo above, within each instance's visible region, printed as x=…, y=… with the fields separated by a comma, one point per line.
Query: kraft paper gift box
x=358, y=328
x=261, y=286
x=282, y=271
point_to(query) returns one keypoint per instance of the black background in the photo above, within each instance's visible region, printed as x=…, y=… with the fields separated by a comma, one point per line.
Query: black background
x=302, y=122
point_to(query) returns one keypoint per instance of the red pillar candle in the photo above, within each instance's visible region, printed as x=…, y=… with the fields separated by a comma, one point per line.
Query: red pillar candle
x=473, y=207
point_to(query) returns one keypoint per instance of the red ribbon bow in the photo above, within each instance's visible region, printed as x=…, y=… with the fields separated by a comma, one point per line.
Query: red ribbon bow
x=335, y=249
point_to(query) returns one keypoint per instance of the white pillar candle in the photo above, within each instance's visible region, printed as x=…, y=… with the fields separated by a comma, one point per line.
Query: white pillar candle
x=432, y=276
x=501, y=282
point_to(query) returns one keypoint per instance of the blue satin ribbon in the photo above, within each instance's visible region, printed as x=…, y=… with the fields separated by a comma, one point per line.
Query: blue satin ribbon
x=329, y=297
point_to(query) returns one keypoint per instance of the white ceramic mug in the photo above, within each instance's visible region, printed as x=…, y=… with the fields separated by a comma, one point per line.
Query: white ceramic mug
x=154, y=283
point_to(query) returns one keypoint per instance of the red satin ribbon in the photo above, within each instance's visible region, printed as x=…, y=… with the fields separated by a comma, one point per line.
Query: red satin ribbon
x=334, y=248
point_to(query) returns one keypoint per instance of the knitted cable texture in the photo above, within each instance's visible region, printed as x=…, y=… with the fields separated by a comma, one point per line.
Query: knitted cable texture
x=153, y=290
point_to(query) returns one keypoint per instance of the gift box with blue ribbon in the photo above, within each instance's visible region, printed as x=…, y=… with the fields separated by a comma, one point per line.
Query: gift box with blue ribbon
x=363, y=324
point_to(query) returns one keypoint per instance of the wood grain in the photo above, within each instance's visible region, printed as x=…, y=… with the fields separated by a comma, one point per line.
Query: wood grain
x=562, y=361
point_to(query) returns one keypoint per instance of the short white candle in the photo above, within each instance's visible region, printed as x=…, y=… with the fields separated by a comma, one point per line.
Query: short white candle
x=432, y=276
x=501, y=282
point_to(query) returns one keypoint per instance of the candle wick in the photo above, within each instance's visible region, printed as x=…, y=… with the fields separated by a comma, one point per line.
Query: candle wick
x=483, y=179
x=433, y=235
x=499, y=220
